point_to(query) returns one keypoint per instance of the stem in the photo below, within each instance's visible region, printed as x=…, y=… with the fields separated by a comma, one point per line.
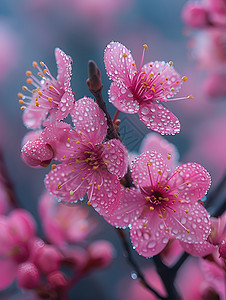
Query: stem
x=6, y=181
x=116, y=116
x=167, y=276
x=180, y=262
x=136, y=268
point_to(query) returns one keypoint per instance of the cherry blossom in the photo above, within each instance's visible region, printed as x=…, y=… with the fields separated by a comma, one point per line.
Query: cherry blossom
x=140, y=91
x=88, y=162
x=165, y=204
x=48, y=95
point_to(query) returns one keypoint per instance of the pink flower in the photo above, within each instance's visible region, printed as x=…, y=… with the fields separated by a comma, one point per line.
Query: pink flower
x=195, y=15
x=140, y=91
x=62, y=223
x=214, y=85
x=16, y=232
x=48, y=95
x=165, y=204
x=88, y=162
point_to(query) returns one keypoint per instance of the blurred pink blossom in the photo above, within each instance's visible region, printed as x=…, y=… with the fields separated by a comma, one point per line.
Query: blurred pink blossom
x=63, y=223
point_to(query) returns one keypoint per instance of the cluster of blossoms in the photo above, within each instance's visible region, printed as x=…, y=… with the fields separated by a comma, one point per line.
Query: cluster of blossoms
x=209, y=17
x=160, y=202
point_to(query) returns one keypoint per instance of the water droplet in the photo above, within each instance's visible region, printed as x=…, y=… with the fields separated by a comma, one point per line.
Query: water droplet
x=151, y=244
x=144, y=110
x=133, y=275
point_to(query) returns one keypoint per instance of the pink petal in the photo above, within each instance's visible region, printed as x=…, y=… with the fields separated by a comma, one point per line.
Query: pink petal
x=122, y=98
x=119, y=67
x=68, y=180
x=199, y=250
x=53, y=231
x=166, y=71
x=33, y=115
x=155, y=142
x=8, y=271
x=64, y=63
x=192, y=182
x=145, y=169
x=196, y=221
x=66, y=105
x=89, y=119
x=115, y=157
x=104, y=193
x=159, y=118
x=149, y=237
x=130, y=208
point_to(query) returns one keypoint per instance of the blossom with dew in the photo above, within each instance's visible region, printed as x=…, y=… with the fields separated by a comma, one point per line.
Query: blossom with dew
x=165, y=204
x=62, y=223
x=88, y=162
x=49, y=98
x=141, y=91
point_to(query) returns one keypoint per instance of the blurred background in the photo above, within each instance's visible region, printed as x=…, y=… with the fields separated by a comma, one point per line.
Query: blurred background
x=32, y=29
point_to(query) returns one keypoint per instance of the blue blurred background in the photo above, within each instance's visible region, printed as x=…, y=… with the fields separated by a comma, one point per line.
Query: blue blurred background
x=31, y=29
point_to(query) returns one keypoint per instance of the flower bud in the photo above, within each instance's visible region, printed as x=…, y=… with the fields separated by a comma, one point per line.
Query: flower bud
x=101, y=253
x=47, y=259
x=195, y=15
x=28, y=276
x=57, y=280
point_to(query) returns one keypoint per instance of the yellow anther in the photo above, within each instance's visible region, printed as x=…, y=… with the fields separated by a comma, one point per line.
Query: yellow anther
x=51, y=87
x=144, y=224
x=153, y=90
x=166, y=199
x=167, y=229
x=42, y=63
x=177, y=81
x=160, y=216
x=178, y=171
x=160, y=172
x=184, y=78
x=22, y=107
x=28, y=73
x=53, y=166
x=64, y=157
x=161, y=83
x=168, y=156
x=151, y=74
x=40, y=93
x=145, y=46
x=89, y=203
x=59, y=186
x=174, y=210
x=190, y=97
x=68, y=139
x=77, y=142
x=171, y=63
x=45, y=71
x=37, y=103
x=179, y=201
x=175, y=195
x=98, y=186
x=82, y=178
x=149, y=163
x=186, y=211
x=71, y=192
x=72, y=171
x=151, y=65
x=90, y=183
x=20, y=95
x=172, y=89
x=109, y=146
x=95, y=167
x=187, y=182
x=21, y=101
x=152, y=191
x=29, y=81
x=124, y=55
x=151, y=208
x=147, y=198
x=126, y=212
x=34, y=64
x=188, y=230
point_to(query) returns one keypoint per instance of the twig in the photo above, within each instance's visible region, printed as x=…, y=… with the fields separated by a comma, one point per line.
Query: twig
x=180, y=262
x=134, y=264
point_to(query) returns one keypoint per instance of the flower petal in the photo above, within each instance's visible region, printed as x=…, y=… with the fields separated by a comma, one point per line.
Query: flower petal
x=165, y=74
x=122, y=98
x=155, y=142
x=189, y=223
x=64, y=63
x=119, y=63
x=115, y=157
x=149, y=237
x=129, y=209
x=33, y=115
x=89, y=120
x=158, y=118
x=67, y=183
x=104, y=193
x=66, y=105
x=146, y=167
x=198, y=250
x=8, y=270
x=192, y=182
